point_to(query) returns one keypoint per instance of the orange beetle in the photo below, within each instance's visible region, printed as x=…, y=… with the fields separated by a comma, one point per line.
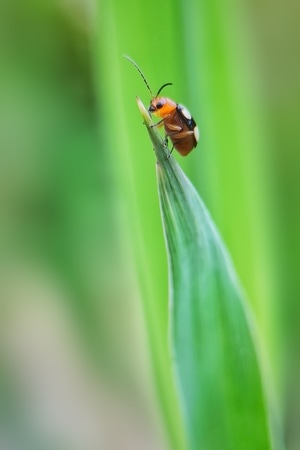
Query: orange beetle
x=179, y=125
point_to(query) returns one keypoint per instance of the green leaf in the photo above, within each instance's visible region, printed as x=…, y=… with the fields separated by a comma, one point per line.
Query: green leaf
x=212, y=333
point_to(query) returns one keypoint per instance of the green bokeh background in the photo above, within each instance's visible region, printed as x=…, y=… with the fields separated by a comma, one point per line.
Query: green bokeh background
x=83, y=274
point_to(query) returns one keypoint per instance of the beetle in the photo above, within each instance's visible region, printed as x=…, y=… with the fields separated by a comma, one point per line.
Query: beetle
x=178, y=123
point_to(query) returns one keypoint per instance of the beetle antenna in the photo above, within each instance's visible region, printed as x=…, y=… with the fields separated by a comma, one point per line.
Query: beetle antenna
x=163, y=86
x=141, y=73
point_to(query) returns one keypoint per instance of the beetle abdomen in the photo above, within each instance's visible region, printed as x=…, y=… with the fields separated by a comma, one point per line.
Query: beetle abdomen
x=181, y=128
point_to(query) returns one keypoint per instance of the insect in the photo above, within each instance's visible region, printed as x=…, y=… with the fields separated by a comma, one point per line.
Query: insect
x=178, y=123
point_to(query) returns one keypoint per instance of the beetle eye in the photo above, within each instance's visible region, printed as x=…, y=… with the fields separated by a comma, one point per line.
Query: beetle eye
x=159, y=105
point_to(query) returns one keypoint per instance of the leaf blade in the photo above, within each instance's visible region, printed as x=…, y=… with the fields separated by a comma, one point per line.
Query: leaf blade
x=212, y=332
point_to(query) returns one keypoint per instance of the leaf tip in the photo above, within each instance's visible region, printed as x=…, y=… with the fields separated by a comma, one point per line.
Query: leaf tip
x=144, y=112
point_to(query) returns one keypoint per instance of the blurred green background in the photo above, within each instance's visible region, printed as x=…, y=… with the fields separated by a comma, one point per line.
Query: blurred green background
x=83, y=274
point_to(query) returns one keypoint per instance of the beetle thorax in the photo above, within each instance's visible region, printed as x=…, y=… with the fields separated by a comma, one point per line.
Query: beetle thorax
x=162, y=106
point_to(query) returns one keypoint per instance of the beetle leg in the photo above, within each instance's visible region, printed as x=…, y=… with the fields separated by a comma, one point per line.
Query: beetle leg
x=175, y=129
x=181, y=136
x=160, y=123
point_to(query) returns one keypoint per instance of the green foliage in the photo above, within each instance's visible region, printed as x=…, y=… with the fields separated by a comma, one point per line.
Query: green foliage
x=83, y=267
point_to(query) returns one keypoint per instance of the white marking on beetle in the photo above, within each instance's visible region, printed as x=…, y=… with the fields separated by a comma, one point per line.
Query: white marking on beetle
x=185, y=112
x=196, y=133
